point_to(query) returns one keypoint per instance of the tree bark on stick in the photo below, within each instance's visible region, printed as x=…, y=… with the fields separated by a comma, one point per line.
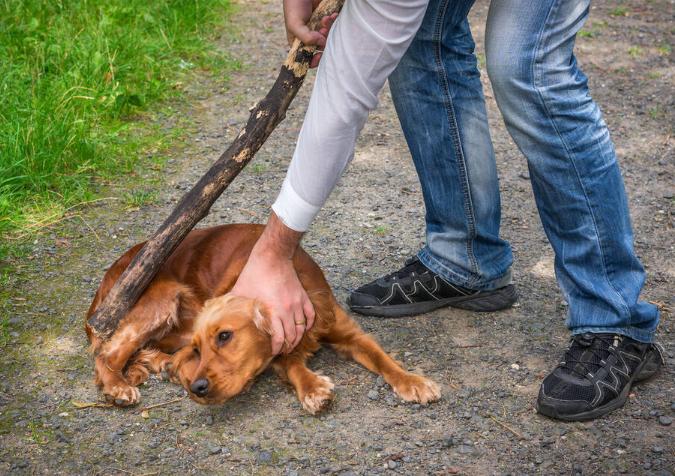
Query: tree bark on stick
x=195, y=205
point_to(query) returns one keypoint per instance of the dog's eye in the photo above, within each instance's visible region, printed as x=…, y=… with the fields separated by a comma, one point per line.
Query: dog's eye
x=223, y=337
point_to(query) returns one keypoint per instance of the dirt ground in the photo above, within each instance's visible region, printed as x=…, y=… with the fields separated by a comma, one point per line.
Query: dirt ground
x=490, y=365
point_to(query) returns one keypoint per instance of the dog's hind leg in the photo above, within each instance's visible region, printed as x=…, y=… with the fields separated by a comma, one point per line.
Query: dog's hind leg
x=349, y=339
x=155, y=313
x=314, y=391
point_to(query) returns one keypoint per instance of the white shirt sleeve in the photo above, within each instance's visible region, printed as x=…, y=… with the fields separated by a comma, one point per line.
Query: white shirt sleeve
x=365, y=44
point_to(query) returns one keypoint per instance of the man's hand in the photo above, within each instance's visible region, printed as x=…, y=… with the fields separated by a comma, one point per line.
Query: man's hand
x=297, y=14
x=270, y=277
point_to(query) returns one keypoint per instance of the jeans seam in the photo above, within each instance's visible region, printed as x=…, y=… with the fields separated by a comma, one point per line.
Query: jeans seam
x=538, y=88
x=637, y=334
x=468, y=205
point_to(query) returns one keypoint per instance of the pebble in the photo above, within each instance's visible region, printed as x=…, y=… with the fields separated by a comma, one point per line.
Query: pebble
x=209, y=420
x=214, y=449
x=373, y=395
x=665, y=420
x=61, y=437
x=466, y=449
x=264, y=457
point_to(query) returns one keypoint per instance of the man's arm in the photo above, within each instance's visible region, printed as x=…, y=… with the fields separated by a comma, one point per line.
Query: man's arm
x=366, y=43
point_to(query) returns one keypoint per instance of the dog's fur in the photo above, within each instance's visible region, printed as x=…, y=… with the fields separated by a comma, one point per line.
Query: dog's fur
x=177, y=323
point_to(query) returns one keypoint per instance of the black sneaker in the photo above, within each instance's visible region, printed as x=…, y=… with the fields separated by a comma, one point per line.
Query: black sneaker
x=596, y=376
x=414, y=289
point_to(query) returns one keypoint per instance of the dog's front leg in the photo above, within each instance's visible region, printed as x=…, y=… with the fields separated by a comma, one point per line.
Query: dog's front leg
x=314, y=391
x=348, y=339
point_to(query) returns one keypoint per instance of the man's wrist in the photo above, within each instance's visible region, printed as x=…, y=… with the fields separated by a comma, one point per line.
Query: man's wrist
x=278, y=240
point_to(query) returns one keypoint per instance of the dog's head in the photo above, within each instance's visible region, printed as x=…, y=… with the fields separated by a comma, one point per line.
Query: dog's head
x=230, y=346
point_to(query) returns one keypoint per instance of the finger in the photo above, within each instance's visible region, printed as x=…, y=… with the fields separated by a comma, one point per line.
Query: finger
x=309, y=37
x=315, y=60
x=308, y=309
x=277, y=334
x=300, y=324
x=289, y=331
x=327, y=21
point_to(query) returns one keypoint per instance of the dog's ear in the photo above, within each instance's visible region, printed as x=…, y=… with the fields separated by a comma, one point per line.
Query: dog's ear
x=261, y=318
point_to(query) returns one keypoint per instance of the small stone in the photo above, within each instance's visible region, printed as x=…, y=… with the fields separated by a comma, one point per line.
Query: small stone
x=209, y=420
x=264, y=457
x=373, y=395
x=665, y=420
x=465, y=449
x=380, y=381
x=515, y=366
x=214, y=449
x=392, y=464
x=657, y=449
x=61, y=437
x=447, y=442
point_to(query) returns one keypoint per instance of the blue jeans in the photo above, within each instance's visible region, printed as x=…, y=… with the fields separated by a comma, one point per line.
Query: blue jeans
x=547, y=108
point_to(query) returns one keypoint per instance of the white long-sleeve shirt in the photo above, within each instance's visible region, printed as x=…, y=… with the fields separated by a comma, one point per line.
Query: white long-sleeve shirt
x=365, y=44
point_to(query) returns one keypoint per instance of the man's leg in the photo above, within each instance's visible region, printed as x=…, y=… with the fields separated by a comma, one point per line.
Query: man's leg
x=439, y=99
x=547, y=108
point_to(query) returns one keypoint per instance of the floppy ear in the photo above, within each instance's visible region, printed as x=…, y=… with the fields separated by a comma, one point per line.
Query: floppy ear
x=261, y=318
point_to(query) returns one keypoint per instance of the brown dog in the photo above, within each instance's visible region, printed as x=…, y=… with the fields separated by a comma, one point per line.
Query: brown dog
x=215, y=344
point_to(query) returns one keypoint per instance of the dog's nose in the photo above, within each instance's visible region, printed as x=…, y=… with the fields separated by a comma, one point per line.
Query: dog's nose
x=200, y=387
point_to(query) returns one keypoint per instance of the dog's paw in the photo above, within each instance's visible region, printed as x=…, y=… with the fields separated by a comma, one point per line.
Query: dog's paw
x=122, y=395
x=418, y=389
x=318, y=398
x=136, y=375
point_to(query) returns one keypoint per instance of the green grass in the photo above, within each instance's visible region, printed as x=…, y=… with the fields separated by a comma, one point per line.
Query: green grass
x=619, y=12
x=79, y=82
x=139, y=198
x=635, y=51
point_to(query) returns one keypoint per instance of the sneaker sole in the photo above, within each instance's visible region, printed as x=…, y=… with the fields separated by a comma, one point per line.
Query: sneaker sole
x=487, y=301
x=647, y=370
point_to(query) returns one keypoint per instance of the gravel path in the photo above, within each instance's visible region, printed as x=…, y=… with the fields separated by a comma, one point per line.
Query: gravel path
x=490, y=366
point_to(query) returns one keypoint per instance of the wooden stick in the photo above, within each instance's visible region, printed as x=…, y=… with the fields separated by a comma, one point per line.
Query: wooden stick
x=507, y=427
x=195, y=205
x=163, y=404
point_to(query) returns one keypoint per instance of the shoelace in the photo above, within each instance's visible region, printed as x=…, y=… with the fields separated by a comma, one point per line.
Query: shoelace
x=582, y=344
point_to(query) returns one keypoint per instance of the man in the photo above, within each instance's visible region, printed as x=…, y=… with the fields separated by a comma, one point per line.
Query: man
x=425, y=48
